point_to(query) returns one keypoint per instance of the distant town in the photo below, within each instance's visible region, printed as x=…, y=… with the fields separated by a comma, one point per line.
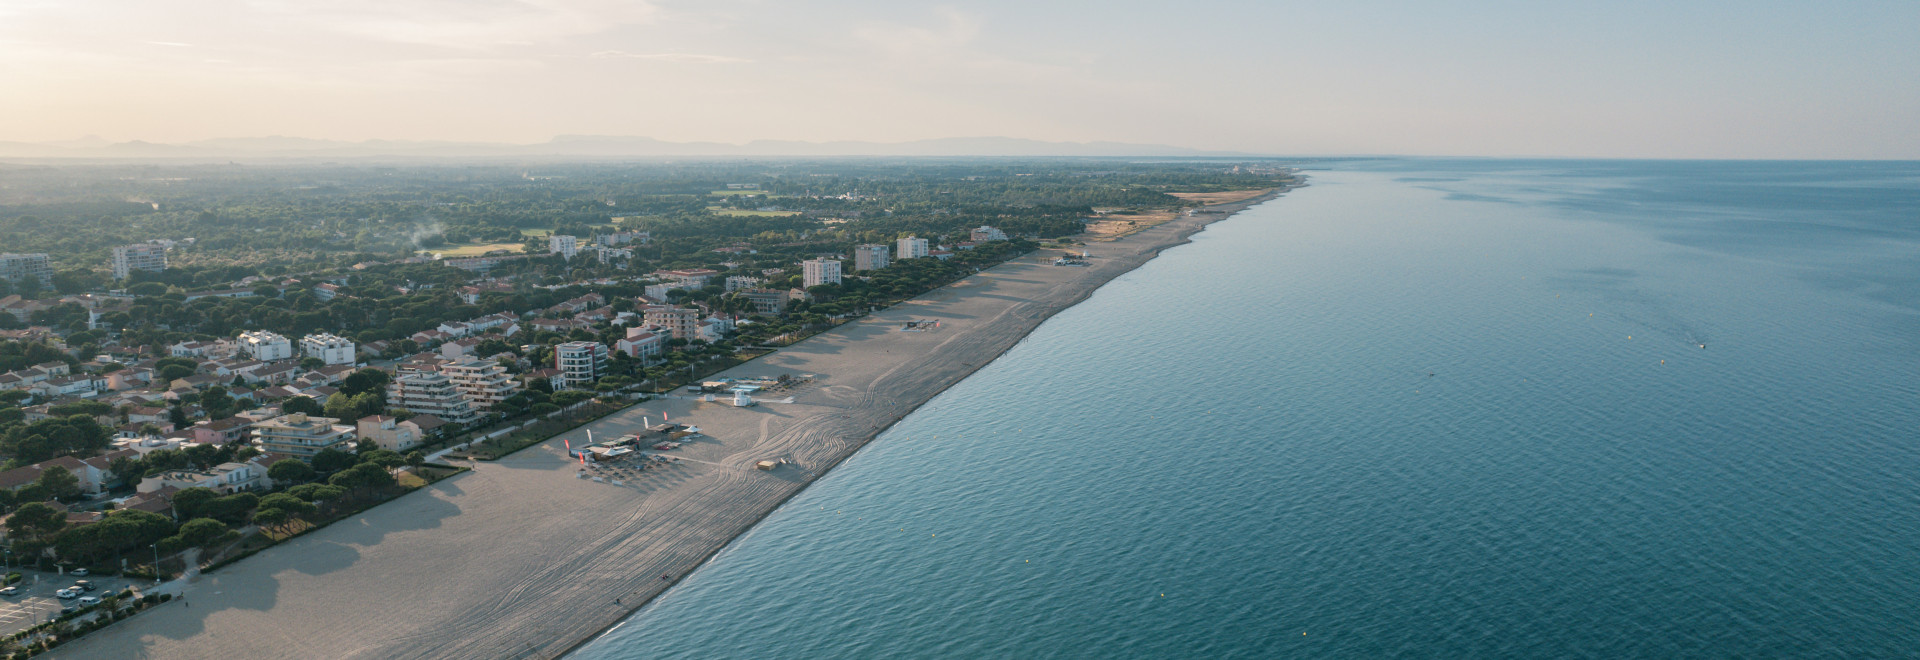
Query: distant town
x=180, y=401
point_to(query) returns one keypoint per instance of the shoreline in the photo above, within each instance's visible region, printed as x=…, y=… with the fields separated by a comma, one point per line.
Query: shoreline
x=1181, y=238
x=521, y=559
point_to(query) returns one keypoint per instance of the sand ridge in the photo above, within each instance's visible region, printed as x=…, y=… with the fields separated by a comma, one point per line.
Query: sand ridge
x=521, y=559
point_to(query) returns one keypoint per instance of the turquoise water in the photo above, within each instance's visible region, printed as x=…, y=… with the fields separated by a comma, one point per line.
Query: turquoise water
x=1416, y=409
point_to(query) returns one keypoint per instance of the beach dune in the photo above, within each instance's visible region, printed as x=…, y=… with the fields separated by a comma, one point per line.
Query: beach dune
x=523, y=559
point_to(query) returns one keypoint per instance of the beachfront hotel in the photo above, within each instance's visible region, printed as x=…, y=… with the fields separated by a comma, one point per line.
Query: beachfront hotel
x=815, y=272
x=579, y=362
x=302, y=436
x=431, y=393
x=483, y=382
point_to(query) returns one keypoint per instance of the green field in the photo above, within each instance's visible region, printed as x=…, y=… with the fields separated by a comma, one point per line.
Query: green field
x=736, y=193
x=535, y=232
x=748, y=212
x=477, y=250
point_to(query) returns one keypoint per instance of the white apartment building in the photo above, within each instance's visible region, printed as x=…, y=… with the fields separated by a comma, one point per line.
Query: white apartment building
x=870, y=257
x=985, y=233
x=565, y=246
x=141, y=256
x=483, y=382
x=911, y=247
x=265, y=346
x=302, y=436
x=579, y=362
x=815, y=272
x=331, y=349
x=431, y=393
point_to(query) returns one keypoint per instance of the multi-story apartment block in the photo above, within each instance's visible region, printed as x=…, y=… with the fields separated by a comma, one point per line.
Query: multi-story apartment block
x=985, y=233
x=331, y=349
x=618, y=238
x=302, y=436
x=640, y=343
x=815, y=272
x=912, y=247
x=579, y=362
x=265, y=346
x=738, y=282
x=140, y=256
x=431, y=393
x=483, y=382
x=17, y=267
x=563, y=245
x=870, y=257
x=677, y=321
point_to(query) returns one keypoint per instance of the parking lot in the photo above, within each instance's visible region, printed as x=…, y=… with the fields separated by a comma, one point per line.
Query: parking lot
x=36, y=601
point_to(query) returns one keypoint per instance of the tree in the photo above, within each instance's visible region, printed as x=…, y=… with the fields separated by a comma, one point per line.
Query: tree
x=217, y=402
x=33, y=492
x=365, y=381
x=272, y=519
x=290, y=471
x=364, y=447
x=231, y=509
x=303, y=405
x=59, y=482
x=172, y=372
x=201, y=532
x=203, y=456
x=416, y=459
x=311, y=363
x=385, y=458
x=294, y=506
x=189, y=502
x=330, y=460
x=36, y=520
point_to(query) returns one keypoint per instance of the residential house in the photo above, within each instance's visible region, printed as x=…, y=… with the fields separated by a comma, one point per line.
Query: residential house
x=391, y=433
x=222, y=431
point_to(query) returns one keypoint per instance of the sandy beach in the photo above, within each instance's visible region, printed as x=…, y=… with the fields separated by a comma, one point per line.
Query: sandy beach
x=523, y=559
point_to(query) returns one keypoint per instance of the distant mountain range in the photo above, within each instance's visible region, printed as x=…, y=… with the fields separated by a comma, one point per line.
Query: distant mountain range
x=578, y=146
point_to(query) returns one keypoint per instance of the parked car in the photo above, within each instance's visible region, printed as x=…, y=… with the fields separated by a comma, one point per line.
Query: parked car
x=67, y=593
x=68, y=609
x=79, y=572
x=83, y=585
x=10, y=591
x=88, y=600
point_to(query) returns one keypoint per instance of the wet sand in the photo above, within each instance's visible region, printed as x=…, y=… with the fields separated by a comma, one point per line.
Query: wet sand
x=523, y=559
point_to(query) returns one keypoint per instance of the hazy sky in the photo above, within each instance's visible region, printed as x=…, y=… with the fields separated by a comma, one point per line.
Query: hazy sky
x=1624, y=78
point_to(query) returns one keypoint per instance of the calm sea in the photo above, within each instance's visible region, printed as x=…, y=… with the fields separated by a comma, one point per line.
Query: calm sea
x=1422, y=408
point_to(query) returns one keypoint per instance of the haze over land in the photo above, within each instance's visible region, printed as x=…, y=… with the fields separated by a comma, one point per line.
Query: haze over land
x=1636, y=79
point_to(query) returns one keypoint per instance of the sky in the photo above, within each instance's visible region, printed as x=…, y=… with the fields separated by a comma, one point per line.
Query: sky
x=1672, y=79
